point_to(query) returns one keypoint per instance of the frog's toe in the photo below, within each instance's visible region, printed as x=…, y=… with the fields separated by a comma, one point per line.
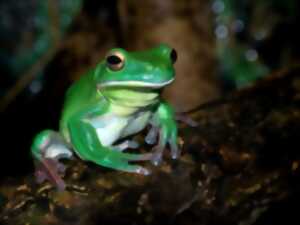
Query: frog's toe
x=126, y=167
x=175, y=151
x=40, y=176
x=156, y=159
x=142, y=170
x=126, y=144
x=152, y=135
x=50, y=169
x=157, y=155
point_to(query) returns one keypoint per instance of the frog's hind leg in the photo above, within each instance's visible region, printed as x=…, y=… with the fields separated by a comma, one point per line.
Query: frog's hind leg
x=47, y=148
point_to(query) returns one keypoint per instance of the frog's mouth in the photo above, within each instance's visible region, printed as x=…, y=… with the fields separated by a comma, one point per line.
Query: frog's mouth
x=134, y=84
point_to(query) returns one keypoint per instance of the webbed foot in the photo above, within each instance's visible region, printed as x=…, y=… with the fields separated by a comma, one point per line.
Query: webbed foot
x=51, y=170
x=48, y=147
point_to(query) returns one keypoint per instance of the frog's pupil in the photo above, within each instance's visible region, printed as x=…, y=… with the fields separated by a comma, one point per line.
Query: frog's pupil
x=113, y=60
x=173, y=56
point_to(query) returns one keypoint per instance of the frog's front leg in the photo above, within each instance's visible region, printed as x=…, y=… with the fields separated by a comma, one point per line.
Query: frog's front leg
x=88, y=146
x=48, y=147
x=164, y=126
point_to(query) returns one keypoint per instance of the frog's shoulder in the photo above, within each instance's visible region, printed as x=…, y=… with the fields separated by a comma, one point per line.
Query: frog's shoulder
x=81, y=88
x=81, y=96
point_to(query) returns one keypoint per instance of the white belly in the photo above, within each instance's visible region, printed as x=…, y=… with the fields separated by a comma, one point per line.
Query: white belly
x=136, y=124
x=110, y=128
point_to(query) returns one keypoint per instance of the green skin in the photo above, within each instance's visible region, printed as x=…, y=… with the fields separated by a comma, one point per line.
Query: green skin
x=106, y=106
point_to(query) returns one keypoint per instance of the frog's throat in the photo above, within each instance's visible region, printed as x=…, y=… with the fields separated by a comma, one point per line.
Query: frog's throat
x=134, y=83
x=128, y=100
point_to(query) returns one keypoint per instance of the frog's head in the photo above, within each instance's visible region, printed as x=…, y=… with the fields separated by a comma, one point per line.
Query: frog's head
x=151, y=69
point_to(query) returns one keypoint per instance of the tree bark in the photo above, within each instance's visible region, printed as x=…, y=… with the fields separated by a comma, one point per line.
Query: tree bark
x=242, y=158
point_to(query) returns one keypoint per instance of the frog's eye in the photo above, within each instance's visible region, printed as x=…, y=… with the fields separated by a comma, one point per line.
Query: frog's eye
x=173, y=56
x=115, y=61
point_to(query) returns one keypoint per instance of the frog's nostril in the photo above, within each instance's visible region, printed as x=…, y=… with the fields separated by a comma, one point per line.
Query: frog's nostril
x=173, y=56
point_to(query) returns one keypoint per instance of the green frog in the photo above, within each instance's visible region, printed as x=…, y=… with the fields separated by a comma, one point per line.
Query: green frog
x=105, y=107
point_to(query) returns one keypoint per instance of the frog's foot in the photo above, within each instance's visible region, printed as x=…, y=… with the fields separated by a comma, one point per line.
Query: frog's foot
x=158, y=150
x=133, y=169
x=126, y=144
x=47, y=149
x=51, y=170
x=187, y=120
x=165, y=137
